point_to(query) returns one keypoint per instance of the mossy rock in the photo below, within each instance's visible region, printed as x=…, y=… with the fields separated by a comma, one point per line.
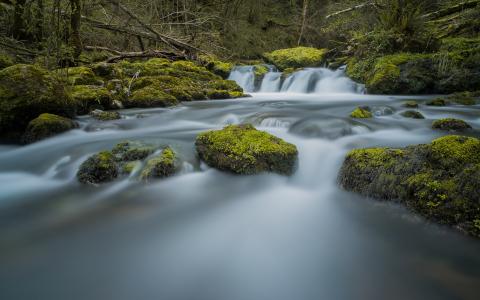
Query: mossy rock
x=440, y=180
x=217, y=66
x=45, y=126
x=6, y=61
x=128, y=167
x=464, y=98
x=90, y=97
x=105, y=115
x=106, y=70
x=299, y=57
x=437, y=102
x=132, y=151
x=410, y=104
x=26, y=91
x=150, y=97
x=80, y=76
x=99, y=168
x=242, y=149
x=450, y=124
x=361, y=113
x=412, y=114
x=161, y=166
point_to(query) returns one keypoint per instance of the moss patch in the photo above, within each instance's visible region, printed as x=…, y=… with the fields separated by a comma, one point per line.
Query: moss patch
x=150, y=97
x=450, y=124
x=410, y=104
x=412, y=114
x=361, y=113
x=98, y=168
x=437, y=102
x=299, y=57
x=244, y=150
x=90, y=97
x=45, y=126
x=161, y=166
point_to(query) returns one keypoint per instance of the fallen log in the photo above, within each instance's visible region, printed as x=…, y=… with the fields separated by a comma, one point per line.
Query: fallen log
x=148, y=54
x=451, y=10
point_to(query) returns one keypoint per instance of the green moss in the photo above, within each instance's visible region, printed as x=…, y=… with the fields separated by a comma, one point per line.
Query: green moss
x=437, y=102
x=451, y=124
x=413, y=114
x=45, y=126
x=361, y=113
x=374, y=157
x=98, y=168
x=228, y=85
x=299, y=57
x=161, y=166
x=150, y=97
x=132, y=151
x=128, y=167
x=260, y=70
x=80, y=76
x=105, y=115
x=89, y=97
x=6, y=61
x=26, y=91
x=455, y=151
x=244, y=150
x=410, y=104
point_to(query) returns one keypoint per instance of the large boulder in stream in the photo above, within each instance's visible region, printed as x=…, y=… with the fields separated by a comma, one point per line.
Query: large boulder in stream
x=299, y=57
x=242, y=149
x=440, y=180
x=26, y=91
x=45, y=126
x=99, y=168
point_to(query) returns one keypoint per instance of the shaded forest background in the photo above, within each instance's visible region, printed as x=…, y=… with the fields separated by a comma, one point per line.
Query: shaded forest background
x=55, y=32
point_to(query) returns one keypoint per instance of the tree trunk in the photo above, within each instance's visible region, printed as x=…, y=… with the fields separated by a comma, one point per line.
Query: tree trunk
x=304, y=20
x=18, y=28
x=75, y=18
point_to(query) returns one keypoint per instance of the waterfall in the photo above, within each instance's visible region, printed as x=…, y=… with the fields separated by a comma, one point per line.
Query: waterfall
x=309, y=80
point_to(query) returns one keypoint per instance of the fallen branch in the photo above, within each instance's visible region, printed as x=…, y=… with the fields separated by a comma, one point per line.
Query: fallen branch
x=451, y=10
x=100, y=48
x=360, y=6
x=148, y=54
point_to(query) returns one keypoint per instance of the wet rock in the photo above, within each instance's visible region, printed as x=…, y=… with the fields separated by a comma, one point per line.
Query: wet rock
x=465, y=98
x=437, y=102
x=413, y=114
x=26, y=91
x=440, y=180
x=105, y=115
x=160, y=167
x=45, y=126
x=450, y=124
x=242, y=149
x=410, y=104
x=323, y=128
x=361, y=113
x=99, y=168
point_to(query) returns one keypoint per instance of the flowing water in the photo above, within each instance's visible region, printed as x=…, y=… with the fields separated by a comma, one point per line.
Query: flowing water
x=205, y=234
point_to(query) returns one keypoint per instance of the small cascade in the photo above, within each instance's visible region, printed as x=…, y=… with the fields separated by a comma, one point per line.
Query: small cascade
x=306, y=81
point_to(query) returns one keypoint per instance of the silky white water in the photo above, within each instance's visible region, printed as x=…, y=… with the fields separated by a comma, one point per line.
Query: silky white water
x=205, y=234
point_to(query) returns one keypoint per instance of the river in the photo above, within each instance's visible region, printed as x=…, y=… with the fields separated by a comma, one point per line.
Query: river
x=208, y=235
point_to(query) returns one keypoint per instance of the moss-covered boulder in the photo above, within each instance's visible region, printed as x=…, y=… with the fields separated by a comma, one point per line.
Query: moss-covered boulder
x=440, y=181
x=242, y=149
x=161, y=166
x=91, y=97
x=99, y=168
x=299, y=57
x=412, y=114
x=26, y=91
x=361, y=113
x=464, y=98
x=105, y=115
x=132, y=151
x=150, y=97
x=451, y=124
x=437, y=102
x=410, y=104
x=218, y=67
x=45, y=126
x=80, y=76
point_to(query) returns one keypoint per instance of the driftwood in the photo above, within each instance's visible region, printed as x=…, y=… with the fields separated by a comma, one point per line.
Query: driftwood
x=451, y=10
x=360, y=6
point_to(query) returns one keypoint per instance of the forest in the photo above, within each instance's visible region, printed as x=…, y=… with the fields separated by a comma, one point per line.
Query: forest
x=239, y=149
